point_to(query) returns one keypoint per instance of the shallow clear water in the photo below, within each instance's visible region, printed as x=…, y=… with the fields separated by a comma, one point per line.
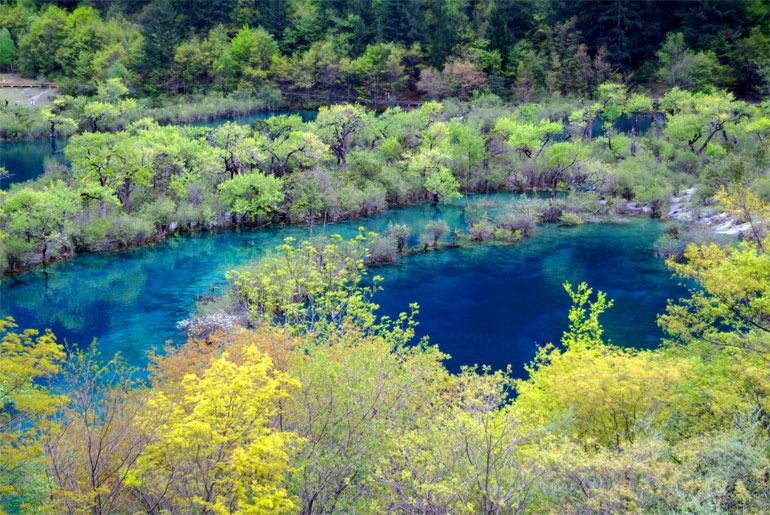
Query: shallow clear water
x=479, y=303
x=26, y=160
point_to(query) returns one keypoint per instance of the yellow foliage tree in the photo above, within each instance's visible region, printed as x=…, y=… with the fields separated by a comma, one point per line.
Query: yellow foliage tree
x=607, y=393
x=26, y=358
x=215, y=451
x=468, y=453
x=724, y=326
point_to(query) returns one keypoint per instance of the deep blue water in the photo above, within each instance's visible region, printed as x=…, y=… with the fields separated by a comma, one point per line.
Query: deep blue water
x=26, y=160
x=482, y=304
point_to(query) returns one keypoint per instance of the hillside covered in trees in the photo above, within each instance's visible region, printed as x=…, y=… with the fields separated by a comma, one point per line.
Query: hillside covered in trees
x=522, y=49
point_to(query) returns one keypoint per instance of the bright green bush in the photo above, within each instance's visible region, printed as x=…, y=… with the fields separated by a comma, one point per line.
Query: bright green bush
x=570, y=219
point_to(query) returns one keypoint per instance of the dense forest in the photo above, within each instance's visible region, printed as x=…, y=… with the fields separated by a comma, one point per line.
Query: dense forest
x=293, y=393
x=406, y=48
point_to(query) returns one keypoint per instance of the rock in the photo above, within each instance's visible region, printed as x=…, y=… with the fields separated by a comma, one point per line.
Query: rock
x=173, y=226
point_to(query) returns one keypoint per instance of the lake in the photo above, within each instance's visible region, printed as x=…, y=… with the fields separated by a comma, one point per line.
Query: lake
x=481, y=303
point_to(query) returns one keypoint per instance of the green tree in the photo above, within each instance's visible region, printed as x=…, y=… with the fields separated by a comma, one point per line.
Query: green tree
x=400, y=21
x=36, y=220
x=444, y=31
x=37, y=47
x=681, y=67
x=286, y=146
x=381, y=70
x=252, y=51
x=109, y=165
x=252, y=193
x=160, y=36
x=468, y=150
x=7, y=50
x=337, y=127
x=305, y=25
x=694, y=120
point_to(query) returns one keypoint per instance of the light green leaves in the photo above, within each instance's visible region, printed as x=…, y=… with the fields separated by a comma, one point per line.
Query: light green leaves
x=252, y=193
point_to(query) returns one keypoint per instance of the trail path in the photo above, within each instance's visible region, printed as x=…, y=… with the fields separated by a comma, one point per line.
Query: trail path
x=36, y=97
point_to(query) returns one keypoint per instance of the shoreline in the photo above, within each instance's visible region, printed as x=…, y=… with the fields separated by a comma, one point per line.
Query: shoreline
x=229, y=225
x=161, y=122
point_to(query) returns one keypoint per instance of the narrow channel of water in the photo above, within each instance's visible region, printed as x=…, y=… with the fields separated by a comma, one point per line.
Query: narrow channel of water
x=479, y=303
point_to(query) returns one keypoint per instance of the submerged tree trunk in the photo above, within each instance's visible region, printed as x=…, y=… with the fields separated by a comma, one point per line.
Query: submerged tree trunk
x=633, y=136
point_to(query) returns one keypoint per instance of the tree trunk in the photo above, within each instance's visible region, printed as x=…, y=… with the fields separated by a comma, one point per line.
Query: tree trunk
x=553, y=187
x=127, y=197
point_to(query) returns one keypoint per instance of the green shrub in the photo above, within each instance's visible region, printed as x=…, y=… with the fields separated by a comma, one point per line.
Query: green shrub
x=399, y=233
x=511, y=221
x=127, y=229
x=91, y=234
x=552, y=213
x=437, y=228
x=504, y=234
x=670, y=246
x=481, y=230
x=188, y=213
x=18, y=251
x=570, y=219
x=380, y=249
x=161, y=212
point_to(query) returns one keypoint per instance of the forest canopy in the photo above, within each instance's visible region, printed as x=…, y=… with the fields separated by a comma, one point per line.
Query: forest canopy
x=405, y=48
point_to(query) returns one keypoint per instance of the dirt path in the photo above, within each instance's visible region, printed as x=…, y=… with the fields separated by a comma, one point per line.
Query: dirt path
x=35, y=98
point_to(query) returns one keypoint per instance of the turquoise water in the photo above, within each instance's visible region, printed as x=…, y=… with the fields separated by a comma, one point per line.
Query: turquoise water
x=479, y=303
x=26, y=160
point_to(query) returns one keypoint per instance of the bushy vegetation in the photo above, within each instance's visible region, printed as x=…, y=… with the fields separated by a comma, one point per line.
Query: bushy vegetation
x=111, y=109
x=143, y=183
x=318, y=406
